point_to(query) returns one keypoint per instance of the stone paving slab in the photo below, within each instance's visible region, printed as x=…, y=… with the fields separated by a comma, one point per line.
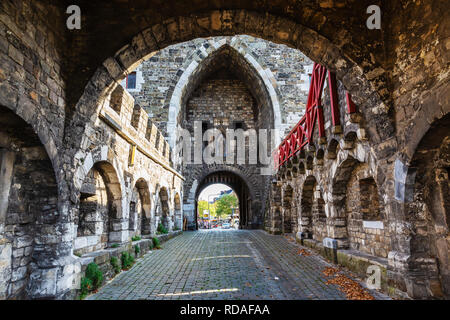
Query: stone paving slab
x=225, y=265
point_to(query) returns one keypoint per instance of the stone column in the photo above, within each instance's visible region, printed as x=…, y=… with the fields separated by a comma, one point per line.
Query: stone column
x=119, y=232
x=6, y=169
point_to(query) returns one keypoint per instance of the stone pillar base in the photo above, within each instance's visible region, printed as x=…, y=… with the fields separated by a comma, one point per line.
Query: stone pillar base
x=330, y=249
x=119, y=236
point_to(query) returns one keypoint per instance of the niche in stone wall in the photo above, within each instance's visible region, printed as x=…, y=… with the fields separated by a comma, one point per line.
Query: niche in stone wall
x=366, y=225
x=133, y=213
x=163, y=209
x=99, y=206
x=369, y=199
x=115, y=102
x=140, y=207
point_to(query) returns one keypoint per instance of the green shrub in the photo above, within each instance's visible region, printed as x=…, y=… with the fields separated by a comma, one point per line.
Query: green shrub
x=94, y=274
x=127, y=260
x=136, y=238
x=137, y=250
x=115, y=264
x=115, y=245
x=85, y=287
x=156, y=243
x=162, y=229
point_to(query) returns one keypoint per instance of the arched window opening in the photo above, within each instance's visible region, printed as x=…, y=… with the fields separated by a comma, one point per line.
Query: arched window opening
x=115, y=101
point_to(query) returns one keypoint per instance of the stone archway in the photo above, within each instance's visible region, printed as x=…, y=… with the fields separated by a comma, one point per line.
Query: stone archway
x=100, y=209
x=199, y=61
x=428, y=214
x=28, y=208
x=278, y=29
x=339, y=193
x=227, y=93
x=140, y=221
x=242, y=190
x=163, y=209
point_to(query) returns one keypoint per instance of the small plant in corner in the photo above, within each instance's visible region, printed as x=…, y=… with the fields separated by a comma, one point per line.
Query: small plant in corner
x=150, y=245
x=162, y=229
x=156, y=243
x=85, y=287
x=94, y=274
x=115, y=264
x=136, y=238
x=137, y=250
x=115, y=245
x=127, y=260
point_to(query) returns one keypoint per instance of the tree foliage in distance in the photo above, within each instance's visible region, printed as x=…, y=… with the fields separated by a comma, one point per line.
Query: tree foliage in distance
x=203, y=205
x=225, y=205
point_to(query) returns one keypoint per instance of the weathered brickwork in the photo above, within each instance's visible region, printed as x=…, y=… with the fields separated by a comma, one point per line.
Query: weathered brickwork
x=222, y=103
x=367, y=229
x=138, y=197
x=158, y=76
x=342, y=193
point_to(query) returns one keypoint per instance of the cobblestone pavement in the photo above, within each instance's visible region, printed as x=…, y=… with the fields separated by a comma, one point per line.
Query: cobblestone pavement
x=224, y=264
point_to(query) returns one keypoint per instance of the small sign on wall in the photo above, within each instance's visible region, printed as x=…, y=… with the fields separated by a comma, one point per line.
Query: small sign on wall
x=373, y=224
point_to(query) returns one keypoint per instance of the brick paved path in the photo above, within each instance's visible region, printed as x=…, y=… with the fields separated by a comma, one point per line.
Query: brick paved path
x=224, y=264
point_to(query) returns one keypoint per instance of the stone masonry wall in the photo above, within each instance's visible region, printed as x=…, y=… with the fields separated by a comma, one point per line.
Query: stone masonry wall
x=364, y=235
x=222, y=102
x=32, y=39
x=158, y=76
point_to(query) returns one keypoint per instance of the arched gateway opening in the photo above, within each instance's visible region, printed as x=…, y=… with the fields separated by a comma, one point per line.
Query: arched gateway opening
x=28, y=205
x=239, y=187
x=218, y=208
x=428, y=212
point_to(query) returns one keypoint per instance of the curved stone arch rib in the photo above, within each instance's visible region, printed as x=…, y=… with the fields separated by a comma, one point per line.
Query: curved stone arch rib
x=425, y=208
x=100, y=155
x=192, y=186
x=284, y=31
x=47, y=141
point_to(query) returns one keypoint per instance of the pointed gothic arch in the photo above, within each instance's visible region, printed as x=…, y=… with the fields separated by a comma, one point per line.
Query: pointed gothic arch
x=195, y=71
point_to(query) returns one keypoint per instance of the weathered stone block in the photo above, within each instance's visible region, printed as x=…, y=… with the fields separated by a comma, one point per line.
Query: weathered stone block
x=43, y=283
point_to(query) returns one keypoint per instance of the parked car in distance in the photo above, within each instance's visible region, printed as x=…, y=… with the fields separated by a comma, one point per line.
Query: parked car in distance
x=226, y=226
